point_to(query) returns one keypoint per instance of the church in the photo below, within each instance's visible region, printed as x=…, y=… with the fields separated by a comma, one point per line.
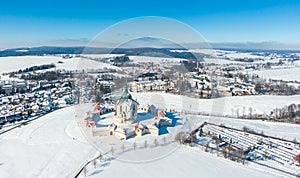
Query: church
x=126, y=109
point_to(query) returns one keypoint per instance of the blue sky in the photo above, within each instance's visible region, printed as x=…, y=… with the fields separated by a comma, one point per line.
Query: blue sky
x=56, y=22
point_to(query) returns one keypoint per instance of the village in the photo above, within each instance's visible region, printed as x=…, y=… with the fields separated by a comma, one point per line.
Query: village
x=116, y=115
x=24, y=100
x=29, y=95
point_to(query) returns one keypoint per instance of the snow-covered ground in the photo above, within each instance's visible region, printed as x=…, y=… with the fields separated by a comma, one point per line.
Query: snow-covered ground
x=221, y=61
x=155, y=60
x=226, y=106
x=288, y=74
x=51, y=146
x=184, y=162
x=97, y=56
x=22, y=62
x=54, y=146
x=237, y=55
x=281, y=154
x=225, y=53
x=280, y=130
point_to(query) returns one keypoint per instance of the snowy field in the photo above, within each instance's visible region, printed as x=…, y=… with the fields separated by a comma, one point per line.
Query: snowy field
x=22, y=62
x=226, y=106
x=97, y=56
x=155, y=60
x=222, y=61
x=224, y=53
x=184, y=162
x=288, y=74
x=237, y=55
x=51, y=146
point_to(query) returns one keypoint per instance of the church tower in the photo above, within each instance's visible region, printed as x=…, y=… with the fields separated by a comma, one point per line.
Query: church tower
x=126, y=108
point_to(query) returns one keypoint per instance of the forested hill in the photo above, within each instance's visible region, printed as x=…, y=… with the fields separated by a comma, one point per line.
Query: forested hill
x=154, y=52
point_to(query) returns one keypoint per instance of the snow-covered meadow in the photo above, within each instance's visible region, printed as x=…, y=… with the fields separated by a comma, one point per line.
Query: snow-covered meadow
x=226, y=106
x=184, y=162
x=52, y=146
x=287, y=74
x=76, y=63
x=155, y=60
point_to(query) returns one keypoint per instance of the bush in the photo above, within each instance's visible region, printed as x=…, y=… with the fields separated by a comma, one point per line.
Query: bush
x=181, y=137
x=297, y=158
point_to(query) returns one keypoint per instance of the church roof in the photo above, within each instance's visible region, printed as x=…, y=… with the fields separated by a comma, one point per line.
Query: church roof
x=126, y=96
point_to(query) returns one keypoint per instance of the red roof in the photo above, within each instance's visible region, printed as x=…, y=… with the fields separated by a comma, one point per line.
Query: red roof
x=136, y=126
x=161, y=113
x=90, y=123
x=97, y=107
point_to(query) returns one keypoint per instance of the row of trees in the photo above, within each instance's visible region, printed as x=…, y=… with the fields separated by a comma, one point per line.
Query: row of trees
x=33, y=68
x=48, y=75
x=101, y=158
x=290, y=113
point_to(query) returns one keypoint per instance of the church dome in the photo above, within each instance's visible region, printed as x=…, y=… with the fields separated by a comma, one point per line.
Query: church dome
x=126, y=95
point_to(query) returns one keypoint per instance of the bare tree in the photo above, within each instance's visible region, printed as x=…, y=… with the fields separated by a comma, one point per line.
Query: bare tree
x=216, y=139
x=255, y=156
x=180, y=137
x=250, y=112
x=260, y=141
x=237, y=112
x=246, y=129
x=229, y=150
x=112, y=150
x=243, y=157
x=85, y=171
x=224, y=152
x=206, y=147
x=266, y=155
x=95, y=163
x=208, y=133
x=241, y=154
x=156, y=142
x=201, y=132
x=123, y=147
x=100, y=157
x=297, y=158
x=164, y=140
x=295, y=141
